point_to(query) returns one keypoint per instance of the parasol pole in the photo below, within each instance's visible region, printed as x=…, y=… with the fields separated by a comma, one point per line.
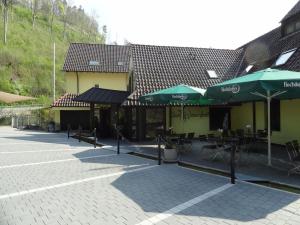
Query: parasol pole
x=182, y=124
x=269, y=128
x=269, y=98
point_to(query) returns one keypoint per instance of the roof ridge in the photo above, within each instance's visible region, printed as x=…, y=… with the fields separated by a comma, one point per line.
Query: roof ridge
x=108, y=89
x=255, y=39
x=292, y=12
x=99, y=44
x=172, y=46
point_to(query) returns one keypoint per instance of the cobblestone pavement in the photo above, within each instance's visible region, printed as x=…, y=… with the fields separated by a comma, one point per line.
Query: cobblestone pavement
x=49, y=179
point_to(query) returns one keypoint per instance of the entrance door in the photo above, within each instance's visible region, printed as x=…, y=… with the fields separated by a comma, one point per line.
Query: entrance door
x=105, y=129
x=216, y=118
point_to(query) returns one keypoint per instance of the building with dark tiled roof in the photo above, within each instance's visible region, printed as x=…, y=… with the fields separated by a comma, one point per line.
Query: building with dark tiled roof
x=159, y=67
x=140, y=69
x=87, y=66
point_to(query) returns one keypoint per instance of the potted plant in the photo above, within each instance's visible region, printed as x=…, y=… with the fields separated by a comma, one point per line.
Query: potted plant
x=170, y=152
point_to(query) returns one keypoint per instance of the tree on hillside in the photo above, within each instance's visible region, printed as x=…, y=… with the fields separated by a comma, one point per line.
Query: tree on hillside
x=52, y=15
x=93, y=25
x=5, y=4
x=34, y=10
x=63, y=9
x=48, y=8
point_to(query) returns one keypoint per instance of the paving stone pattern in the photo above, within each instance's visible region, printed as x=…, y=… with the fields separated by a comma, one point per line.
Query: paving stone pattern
x=127, y=198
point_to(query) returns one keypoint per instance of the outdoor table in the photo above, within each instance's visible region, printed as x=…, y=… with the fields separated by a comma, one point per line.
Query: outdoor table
x=252, y=138
x=174, y=137
x=231, y=139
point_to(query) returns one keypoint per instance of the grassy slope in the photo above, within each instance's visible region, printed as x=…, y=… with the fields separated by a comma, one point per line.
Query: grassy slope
x=26, y=61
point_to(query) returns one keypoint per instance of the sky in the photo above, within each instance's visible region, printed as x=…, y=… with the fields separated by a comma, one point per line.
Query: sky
x=225, y=24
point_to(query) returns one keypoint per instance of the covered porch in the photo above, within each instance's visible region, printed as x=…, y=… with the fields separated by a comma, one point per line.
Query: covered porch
x=105, y=113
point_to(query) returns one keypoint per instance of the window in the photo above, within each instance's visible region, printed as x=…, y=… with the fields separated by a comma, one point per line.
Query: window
x=155, y=117
x=216, y=118
x=284, y=57
x=212, y=74
x=94, y=63
x=248, y=68
x=275, y=115
x=289, y=29
x=297, y=25
x=120, y=63
x=291, y=26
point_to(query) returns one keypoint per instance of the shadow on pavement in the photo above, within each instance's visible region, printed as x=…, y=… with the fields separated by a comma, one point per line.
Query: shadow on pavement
x=163, y=187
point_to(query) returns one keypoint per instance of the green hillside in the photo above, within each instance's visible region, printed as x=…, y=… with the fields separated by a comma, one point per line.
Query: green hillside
x=26, y=61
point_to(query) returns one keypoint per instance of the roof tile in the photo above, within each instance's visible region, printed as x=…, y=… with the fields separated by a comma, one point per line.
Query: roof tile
x=67, y=101
x=264, y=50
x=159, y=67
x=111, y=58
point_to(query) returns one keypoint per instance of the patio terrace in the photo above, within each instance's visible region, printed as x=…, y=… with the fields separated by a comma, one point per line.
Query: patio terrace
x=251, y=164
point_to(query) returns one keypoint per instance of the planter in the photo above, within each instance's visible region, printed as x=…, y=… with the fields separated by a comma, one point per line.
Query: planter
x=170, y=155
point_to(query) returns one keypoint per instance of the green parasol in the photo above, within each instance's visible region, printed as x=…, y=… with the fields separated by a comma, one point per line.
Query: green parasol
x=177, y=95
x=264, y=84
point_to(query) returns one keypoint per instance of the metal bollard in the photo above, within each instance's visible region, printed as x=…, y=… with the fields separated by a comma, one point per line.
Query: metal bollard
x=95, y=137
x=159, y=150
x=69, y=128
x=232, y=164
x=79, y=138
x=118, y=140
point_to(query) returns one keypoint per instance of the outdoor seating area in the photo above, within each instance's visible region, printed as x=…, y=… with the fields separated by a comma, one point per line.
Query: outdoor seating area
x=244, y=139
x=250, y=165
x=293, y=151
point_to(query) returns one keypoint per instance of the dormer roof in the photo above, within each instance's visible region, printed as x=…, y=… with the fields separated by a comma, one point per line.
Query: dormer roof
x=295, y=10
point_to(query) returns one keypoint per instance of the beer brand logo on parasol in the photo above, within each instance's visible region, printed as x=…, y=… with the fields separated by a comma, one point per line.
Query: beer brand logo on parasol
x=149, y=99
x=234, y=89
x=291, y=84
x=181, y=97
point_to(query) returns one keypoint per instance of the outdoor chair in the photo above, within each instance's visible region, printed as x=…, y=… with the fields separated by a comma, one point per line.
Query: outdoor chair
x=221, y=148
x=182, y=136
x=294, y=157
x=225, y=133
x=202, y=137
x=232, y=133
x=185, y=142
x=189, y=138
x=180, y=139
x=180, y=143
x=296, y=145
x=261, y=136
x=262, y=133
x=240, y=132
x=211, y=137
x=209, y=141
x=189, y=141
